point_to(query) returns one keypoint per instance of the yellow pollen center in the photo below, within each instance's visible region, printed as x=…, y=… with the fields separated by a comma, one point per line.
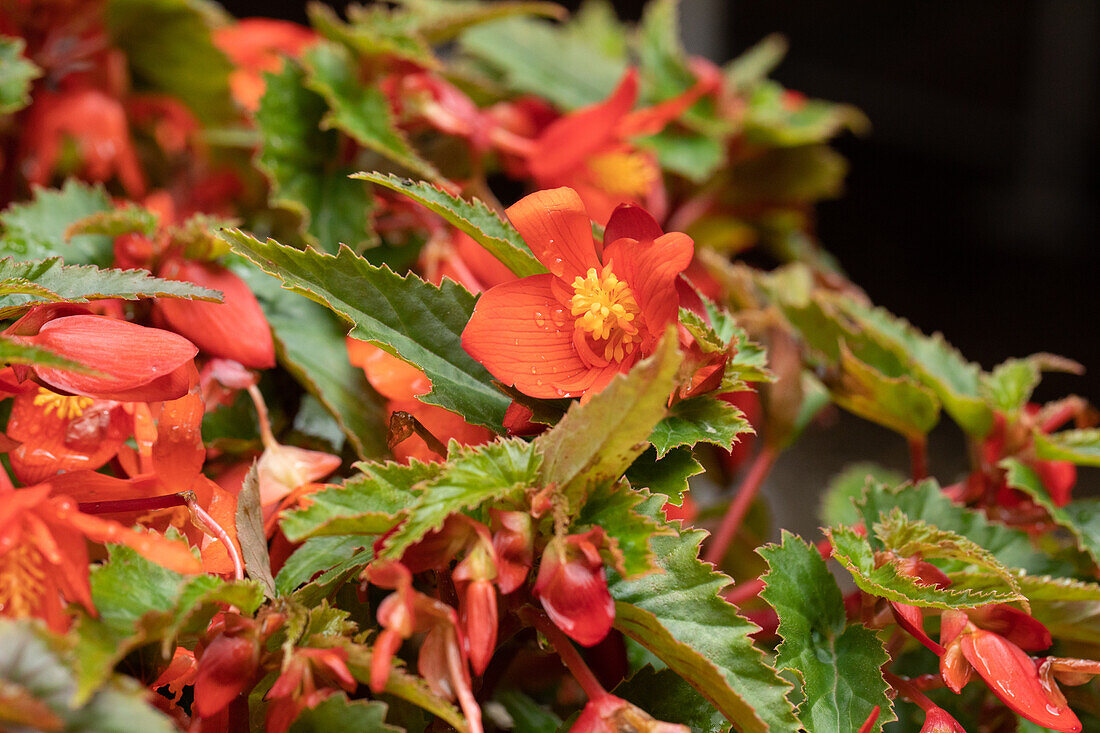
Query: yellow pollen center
x=606, y=310
x=624, y=174
x=67, y=407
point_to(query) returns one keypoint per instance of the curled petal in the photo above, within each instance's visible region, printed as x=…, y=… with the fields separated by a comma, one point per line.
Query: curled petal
x=911, y=618
x=154, y=547
x=633, y=222
x=651, y=269
x=479, y=618
x=556, y=227
x=572, y=588
x=224, y=671
x=1012, y=676
x=1013, y=624
x=524, y=337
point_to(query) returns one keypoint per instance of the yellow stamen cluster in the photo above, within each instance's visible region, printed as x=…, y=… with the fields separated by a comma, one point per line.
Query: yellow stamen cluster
x=624, y=173
x=67, y=407
x=606, y=311
x=22, y=580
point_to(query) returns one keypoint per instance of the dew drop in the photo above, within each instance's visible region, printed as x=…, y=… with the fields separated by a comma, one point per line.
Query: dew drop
x=558, y=316
x=540, y=319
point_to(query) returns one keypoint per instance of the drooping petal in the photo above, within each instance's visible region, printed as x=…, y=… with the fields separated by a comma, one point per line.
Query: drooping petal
x=572, y=588
x=224, y=671
x=390, y=376
x=555, y=225
x=651, y=269
x=1022, y=629
x=523, y=335
x=568, y=141
x=233, y=329
x=129, y=355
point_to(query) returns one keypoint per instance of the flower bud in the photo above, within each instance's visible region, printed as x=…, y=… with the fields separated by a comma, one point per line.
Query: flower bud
x=938, y=720
x=225, y=670
x=514, y=542
x=610, y=714
x=573, y=588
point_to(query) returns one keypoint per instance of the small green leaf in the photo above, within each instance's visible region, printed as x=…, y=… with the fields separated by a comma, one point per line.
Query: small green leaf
x=754, y=65
x=375, y=33
x=837, y=665
x=332, y=559
x=1081, y=518
x=301, y=162
x=678, y=615
x=1009, y=386
x=668, y=697
x=35, y=229
x=309, y=340
x=168, y=46
x=596, y=442
x=16, y=74
x=614, y=508
x=39, y=692
x=703, y=419
x=336, y=713
x=1076, y=446
x=471, y=476
x=474, y=218
x=250, y=533
x=900, y=403
x=565, y=68
x=773, y=118
x=366, y=504
x=359, y=110
x=26, y=284
x=420, y=322
x=668, y=475
x=439, y=21
x=130, y=219
x=886, y=581
x=837, y=504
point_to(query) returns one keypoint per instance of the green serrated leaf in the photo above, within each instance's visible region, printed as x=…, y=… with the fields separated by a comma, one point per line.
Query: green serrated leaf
x=535, y=57
x=25, y=284
x=926, y=501
x=773, y=118
x=614, y=508
x=678, y=615
x=169, y=49
x=838, y=665
x=837, y=504
x=900, y=403
x=309, y=340
x=12, y=352
x=439, y=21
x=375, y=33
x=360, y=110
x=474, y=218
x=906, y=538
x=35, y=229
x=668, y=697
x=1076, y=446
x=1081, y=518
x=39, y=692
x=954, y=380
x=596, y=442
x=16, y=74
x=1069, y=608
x=336, y=712
x=420, y=322
x=886, y=581
x=668, y=475
x=471, y=476
x=332, y=559
x=704, y=419
x=129, y=219
x=300, y=161
x=140, y=603
x=366, y=504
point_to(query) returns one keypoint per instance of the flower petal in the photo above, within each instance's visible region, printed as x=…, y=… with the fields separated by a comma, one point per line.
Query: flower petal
x=633, y=222
x=556, y=227
x=571, y=139
x=651, y=270
x=524, y=337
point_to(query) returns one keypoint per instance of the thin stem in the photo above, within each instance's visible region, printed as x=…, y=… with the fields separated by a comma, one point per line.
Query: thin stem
x=210, y=525
x=132, y=505
x=744, y=591
x=262, y=416
x=568, y=653
x=758, y=471
x=403, y=425
x=909, y=691
x=918, y=457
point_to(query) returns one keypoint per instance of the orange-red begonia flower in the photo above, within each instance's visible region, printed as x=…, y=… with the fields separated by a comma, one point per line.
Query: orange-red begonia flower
x=96, y=122
x=590, y=149
x=44, y=555
x=598, y=310
x=256, y=45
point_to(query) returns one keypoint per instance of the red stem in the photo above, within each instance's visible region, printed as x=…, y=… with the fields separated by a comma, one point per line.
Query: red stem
x=745, y=591
x=758, y=471
x=132, y=505
x=909, y=691
x=1060, y=416
x=568, y=653
x=918, y=457
x=211, y=526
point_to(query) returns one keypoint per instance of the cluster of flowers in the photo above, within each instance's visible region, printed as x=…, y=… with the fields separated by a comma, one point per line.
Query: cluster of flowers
x=111, y=400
